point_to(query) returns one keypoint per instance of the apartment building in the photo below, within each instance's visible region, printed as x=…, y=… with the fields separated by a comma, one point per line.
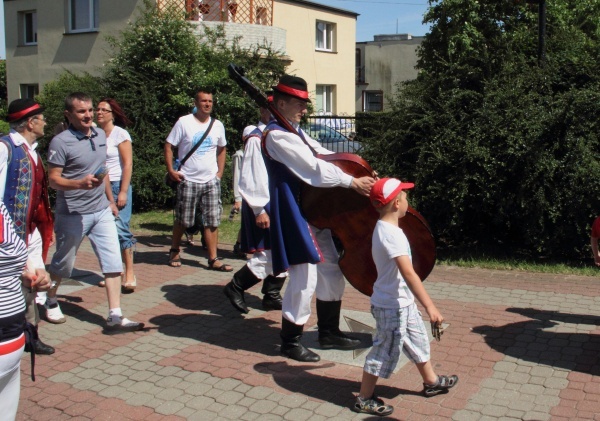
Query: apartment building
x=46, y=37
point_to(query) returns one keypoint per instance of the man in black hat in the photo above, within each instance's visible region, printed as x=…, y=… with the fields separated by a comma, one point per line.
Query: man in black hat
x=307, y=253
x=24, y=191
x=254, y=188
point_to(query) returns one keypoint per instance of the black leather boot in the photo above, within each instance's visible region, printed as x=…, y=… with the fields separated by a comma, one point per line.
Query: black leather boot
x=290, y=343
x=39, y=347
x=272, y=292
x=234, y=290
x=328, y=320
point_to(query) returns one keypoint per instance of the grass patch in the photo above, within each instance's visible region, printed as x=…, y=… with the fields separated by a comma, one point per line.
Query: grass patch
x=576, y=268
x=161, y=223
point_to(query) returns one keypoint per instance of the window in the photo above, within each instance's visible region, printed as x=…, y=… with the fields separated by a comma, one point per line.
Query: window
x=324, y=103
x=372, y=101
x=30, y=28
x=83, y=15
x=29, y=90
x=324, y=38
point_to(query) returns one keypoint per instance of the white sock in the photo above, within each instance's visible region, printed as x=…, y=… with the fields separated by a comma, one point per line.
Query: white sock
x=115, y=312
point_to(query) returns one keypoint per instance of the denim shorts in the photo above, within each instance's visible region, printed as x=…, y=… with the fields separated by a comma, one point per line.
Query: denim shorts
x=397, y=329
x=101, y=230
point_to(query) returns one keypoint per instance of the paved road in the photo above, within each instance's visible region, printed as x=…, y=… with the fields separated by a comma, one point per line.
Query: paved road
x=525, y=346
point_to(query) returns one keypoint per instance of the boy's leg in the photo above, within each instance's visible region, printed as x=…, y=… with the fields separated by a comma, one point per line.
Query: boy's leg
x=427, y=373
x=367, y=386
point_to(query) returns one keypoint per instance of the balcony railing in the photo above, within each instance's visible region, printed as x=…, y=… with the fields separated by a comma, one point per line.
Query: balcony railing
x=259, y=12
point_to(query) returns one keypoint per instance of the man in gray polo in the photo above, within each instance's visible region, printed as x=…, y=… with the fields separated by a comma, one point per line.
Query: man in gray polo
x=84, y=206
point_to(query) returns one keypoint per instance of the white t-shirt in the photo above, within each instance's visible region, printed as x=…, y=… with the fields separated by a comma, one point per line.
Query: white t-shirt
x=390, y=289
x=114, y=163
x=201, y=167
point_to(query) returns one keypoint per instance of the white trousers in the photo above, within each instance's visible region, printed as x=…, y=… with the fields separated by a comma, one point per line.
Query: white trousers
x=324, y=278
x=261, y=265
x=10, y=383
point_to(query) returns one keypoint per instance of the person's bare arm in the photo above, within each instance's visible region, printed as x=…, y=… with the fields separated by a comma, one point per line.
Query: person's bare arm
x=58, y=182
x=416, y=286
x=220, y=161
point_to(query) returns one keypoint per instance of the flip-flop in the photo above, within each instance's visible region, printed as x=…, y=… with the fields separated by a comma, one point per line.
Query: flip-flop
x=222, y=268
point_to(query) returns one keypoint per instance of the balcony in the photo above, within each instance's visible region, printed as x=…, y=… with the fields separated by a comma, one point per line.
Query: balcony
x=256, y=12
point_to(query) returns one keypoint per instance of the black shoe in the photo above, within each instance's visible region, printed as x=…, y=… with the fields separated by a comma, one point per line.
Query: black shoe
x=272, y=302
x=42, y=349
x=299, y=352
x=291, y=347
x=338, y=340
x=236, y=297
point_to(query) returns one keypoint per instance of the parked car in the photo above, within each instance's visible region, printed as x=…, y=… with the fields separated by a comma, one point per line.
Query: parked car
x=332, y=139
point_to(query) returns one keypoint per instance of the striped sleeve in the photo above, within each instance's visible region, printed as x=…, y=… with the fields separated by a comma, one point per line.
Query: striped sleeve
x=13, y=256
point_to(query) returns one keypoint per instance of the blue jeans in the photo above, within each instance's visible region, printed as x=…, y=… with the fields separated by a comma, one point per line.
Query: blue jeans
x=126, y=239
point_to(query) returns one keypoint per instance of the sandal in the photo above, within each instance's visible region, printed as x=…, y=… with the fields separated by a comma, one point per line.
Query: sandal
x=189, y=238
x=129, y=287
x=174, y=262
x=373, y=406
x=441, y=386
x=223, y=267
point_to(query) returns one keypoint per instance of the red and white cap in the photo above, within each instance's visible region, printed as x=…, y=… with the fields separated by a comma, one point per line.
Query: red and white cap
x=386, y=189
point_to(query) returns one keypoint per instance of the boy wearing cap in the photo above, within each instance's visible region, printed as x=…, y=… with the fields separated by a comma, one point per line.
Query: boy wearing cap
x=393, y=304
x=254, y=190
x=307, y=253
x=24, y=191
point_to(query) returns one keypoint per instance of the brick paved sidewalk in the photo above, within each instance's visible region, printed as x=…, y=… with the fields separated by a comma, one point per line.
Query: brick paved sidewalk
x=525, y=346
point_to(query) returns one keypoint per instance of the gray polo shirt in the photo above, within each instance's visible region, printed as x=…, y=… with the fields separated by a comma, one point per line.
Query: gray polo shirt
x=79, y=155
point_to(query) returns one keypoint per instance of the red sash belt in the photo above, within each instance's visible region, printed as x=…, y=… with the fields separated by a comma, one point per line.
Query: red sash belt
x=12, y=346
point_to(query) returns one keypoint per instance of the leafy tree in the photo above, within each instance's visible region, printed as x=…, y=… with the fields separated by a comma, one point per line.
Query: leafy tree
x=3, y=97
x=503, y=150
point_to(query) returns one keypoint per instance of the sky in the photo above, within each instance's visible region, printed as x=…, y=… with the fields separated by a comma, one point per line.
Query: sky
x=377, y=17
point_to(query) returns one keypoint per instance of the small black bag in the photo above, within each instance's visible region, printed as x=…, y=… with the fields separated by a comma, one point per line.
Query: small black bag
x=173, y=184
x=170, y=183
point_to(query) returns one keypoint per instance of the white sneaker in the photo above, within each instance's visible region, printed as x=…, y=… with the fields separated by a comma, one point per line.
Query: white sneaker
x=122, y=324
x=54, y=313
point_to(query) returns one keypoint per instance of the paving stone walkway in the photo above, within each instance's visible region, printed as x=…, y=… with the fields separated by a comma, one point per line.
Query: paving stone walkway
x=525, y=346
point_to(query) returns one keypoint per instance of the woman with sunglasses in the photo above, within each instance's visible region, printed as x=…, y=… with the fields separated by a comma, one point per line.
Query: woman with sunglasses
x=119, y=162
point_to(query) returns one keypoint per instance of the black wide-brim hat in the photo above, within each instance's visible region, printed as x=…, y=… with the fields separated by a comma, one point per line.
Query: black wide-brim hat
x=293, y=86
x=22, y=108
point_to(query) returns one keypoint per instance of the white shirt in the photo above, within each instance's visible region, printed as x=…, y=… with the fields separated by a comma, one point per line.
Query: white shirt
x=289, y=149
x=34, y=242
x=254, y=180
x=114, y=163
x=390, y=290
x=202, y=166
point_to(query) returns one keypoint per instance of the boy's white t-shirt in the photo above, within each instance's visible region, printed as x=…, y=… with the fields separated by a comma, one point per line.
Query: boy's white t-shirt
x=201, y=167
x=113, y=159
x=390, y=289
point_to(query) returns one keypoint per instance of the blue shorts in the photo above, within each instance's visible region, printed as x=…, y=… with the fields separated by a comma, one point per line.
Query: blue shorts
x=397, y=329
x=100, y=228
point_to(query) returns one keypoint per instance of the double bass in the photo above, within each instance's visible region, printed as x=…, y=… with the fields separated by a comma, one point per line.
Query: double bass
x=349, y=215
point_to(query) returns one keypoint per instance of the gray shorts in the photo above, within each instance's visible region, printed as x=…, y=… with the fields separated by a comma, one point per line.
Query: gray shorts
x=100, y=228
x=199, y=197
x=397, y=329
